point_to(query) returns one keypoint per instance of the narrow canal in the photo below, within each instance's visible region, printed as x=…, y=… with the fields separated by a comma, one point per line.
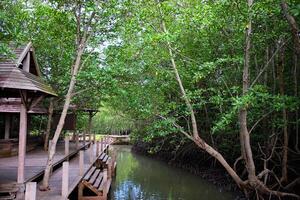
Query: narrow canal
x=142, y=178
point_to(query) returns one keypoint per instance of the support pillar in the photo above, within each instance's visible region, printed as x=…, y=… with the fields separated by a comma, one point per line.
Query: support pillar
x=7, y=126
x=22, y=142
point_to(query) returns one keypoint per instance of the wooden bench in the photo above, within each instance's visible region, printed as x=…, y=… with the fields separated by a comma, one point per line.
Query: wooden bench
x=98, y=179
x=8, y=191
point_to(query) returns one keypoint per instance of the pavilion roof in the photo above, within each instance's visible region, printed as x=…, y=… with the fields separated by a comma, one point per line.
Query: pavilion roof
x=13, y=78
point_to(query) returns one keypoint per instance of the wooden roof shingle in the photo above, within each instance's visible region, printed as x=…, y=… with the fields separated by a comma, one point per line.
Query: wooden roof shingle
x=13, y=78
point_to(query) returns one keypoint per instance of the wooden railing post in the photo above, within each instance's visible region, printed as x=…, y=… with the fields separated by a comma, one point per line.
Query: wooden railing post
x=30, y=192
x=101, y=141
x=105, y=183
x=94, y=138
x=109, y=173
x=81, y=162
x=65, y=180
x=67, y=146
x=77, y=140
x=97, y=148
x=91, y=153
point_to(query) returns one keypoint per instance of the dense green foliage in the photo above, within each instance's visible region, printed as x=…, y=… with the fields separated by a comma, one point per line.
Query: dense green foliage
x=127, y=71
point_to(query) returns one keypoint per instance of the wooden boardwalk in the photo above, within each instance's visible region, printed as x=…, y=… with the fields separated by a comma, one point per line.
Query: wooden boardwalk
x=55, y=181
x=34, y=164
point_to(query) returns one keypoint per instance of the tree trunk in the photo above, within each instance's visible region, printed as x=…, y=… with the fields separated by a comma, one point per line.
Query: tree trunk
x=293, y=24
x=280, y=69
x=195, y=136
x=50, y=114
x=60, y=125
x=244, y=133
x=295, y=75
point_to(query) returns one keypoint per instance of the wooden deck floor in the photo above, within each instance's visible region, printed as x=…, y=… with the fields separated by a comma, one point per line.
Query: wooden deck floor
x=35, y=162
x=74, y=178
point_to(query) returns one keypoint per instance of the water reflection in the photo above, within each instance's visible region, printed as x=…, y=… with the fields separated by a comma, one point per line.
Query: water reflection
x=142, y=178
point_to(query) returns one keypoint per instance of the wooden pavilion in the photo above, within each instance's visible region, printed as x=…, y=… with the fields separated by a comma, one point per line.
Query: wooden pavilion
x=71, y=121
x=21, y=91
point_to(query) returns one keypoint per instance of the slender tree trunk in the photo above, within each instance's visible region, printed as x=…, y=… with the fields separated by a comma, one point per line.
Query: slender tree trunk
x=50, y=114
x=244, y=133
x=293, y=24
x=295, y=75
x=195, y=135
x=60, y=125
x=280, y=70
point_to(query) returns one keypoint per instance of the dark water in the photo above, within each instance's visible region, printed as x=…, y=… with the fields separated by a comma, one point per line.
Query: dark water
x=142, y=178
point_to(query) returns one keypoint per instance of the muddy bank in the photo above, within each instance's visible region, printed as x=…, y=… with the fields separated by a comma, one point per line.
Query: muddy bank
x=190, y=161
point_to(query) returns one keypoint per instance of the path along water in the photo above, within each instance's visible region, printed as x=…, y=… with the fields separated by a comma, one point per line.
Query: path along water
x=142, y=178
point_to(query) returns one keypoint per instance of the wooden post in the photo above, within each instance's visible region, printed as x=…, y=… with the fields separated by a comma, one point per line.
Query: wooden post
x=67, y=146
x=7, y=126
x=105, y=183
x=97, y=148
x=81, y=162
x=22, y=140
x=83, y=135
x=80, y=190
x=91, y=152
x=109, y=168
x=30, y=192
x=77, y=141
x=101, y=141
x=90, y=126
x=94, y=138
x=65, y=180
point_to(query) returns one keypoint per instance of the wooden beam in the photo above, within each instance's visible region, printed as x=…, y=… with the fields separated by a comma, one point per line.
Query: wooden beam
x=30, y=193
x=26, y=62
x=24, y=53
x=35, y=101
x=22, y=140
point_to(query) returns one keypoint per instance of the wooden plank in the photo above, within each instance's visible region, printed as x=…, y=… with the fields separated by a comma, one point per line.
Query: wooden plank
x=105, y=158
x=102, y=156
x=30, y=193
x=89, y=174
x=94, y=176
x=102, y=185
x=98, y=180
